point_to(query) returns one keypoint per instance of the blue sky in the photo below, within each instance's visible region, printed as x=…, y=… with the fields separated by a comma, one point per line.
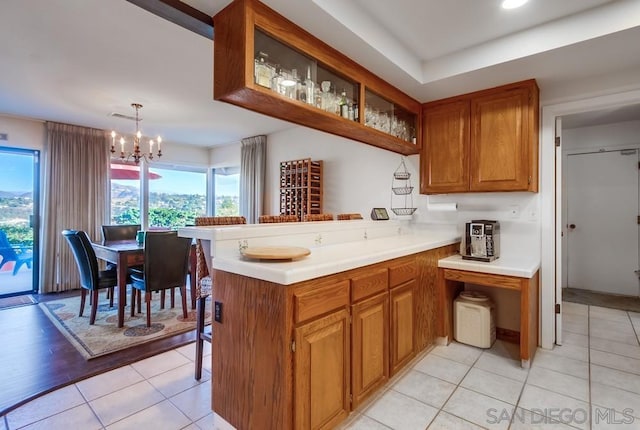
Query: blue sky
x=16, y=172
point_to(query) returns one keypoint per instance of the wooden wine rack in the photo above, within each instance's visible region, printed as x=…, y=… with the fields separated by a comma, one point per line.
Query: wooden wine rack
x=300, y=187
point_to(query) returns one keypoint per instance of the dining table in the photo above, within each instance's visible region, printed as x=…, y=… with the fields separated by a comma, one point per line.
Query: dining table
x=130, y=253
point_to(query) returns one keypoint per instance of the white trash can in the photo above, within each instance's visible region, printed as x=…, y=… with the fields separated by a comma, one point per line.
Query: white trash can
x=474, y=319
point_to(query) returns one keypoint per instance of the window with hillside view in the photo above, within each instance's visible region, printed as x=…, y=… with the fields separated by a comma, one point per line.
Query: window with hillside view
x=176, y=196
x=226, y=186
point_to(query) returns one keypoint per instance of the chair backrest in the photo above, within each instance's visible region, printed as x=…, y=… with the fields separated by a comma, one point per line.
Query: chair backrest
x=349, y=216
x=6, y=250
x=111, y=233
x=318, y=217
x=166, y=260
x=277, y=218
x=201, y=259
x=85, y=257
x=219, y=220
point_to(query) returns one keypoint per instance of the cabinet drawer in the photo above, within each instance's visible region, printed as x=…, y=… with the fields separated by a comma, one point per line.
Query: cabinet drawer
x=319, y=300
x=402, y=272
x=369, y=284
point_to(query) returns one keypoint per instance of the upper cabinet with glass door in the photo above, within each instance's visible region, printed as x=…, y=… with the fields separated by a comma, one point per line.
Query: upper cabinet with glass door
x=265, y=63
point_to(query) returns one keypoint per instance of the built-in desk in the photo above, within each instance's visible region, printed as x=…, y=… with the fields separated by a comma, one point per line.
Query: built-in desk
x=518, y=274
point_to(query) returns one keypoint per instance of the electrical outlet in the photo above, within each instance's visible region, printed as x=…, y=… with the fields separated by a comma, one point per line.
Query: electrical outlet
x=217, y=312
x=514, y=211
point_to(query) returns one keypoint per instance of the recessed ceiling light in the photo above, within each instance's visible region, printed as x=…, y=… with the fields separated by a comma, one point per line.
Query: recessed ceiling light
x=512, y=4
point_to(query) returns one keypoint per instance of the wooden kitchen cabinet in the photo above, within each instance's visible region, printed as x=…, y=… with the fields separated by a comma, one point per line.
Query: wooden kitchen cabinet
x=322, y=365
x=370, y=346
x=402, y=325
x=403, y=275
x=445, y=156
x=483, y=141
x=259, y=53
x=303, y=356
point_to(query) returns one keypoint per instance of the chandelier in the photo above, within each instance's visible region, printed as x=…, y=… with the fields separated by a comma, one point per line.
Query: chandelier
x=136, y=154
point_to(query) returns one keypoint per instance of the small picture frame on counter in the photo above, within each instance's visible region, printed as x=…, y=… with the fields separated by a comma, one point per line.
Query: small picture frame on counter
x=379, y=214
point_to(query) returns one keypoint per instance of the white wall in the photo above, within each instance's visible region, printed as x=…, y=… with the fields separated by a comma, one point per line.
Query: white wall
x=225, y=155
x=183, y=155
x=357, y=177
x=599, y=136
x=23, y=133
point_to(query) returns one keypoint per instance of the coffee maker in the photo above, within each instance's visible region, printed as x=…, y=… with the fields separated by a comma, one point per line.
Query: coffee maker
x=481, y=240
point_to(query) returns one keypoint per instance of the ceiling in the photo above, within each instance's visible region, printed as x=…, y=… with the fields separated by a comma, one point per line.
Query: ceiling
x=77, y=61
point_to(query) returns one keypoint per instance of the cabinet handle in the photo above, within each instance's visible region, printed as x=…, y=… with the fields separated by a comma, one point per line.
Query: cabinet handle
x=572, y=226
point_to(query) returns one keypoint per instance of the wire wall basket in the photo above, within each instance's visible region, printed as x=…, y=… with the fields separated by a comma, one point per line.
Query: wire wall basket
x=402, y=191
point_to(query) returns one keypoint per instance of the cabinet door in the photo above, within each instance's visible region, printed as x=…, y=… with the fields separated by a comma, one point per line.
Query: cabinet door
x=402, y=325
x=370, y=343
x=500, y=158
x=445, y=154
x=321, y=372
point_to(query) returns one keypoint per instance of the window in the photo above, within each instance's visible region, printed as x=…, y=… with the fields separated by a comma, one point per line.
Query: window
x=176, y=195
x=226, y=187
x=125, y=194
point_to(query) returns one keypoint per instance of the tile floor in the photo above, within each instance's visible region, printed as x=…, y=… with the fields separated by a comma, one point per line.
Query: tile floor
x=591, y=382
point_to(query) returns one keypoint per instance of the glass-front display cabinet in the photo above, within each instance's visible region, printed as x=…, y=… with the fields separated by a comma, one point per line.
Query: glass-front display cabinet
x=265, y=63
x=296, y=76
x=388, y=117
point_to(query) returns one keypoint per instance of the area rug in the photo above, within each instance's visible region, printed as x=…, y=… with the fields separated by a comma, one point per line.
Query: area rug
x=15, y=301
x=104, y=337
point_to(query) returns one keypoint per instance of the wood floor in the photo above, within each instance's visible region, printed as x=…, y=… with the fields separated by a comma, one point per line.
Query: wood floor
x=36, y=358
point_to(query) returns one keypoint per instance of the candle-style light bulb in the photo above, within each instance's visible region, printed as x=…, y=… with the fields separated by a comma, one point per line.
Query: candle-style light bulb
x=159, y=149
x=113, y=141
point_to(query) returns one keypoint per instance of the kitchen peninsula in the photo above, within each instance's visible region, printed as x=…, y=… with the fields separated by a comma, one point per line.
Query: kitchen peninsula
x=300, y=344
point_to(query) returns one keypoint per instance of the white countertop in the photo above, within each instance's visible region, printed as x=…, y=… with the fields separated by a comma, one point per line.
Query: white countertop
x=522, y=265
x=329, y=259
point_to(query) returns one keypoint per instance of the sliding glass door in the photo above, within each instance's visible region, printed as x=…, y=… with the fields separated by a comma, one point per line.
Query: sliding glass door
x=19, y=209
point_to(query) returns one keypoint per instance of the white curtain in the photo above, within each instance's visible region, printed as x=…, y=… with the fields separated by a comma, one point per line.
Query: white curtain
x=75, y=197
x=252, y=177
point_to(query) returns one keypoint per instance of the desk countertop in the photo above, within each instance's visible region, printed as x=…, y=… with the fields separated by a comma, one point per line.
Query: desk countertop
x=523, y=265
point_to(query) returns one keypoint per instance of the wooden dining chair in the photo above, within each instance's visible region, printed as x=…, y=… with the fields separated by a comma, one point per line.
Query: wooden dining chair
x=91, y=278
x=111, y=233
x=342, y=217
x=204, y=285
x=166, y=263
x=277, y=218
x=318, y=217
x=116, y=232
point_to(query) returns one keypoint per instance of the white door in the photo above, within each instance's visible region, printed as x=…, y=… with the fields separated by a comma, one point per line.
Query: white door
x=602, y=229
